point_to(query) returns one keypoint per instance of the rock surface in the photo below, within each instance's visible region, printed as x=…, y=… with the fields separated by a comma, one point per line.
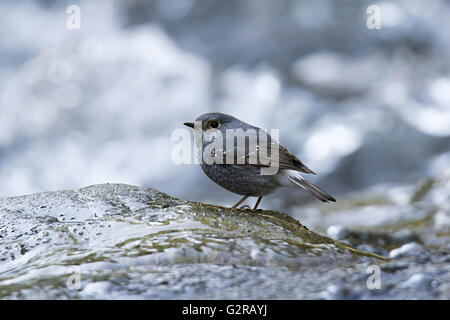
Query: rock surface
x=119, y=241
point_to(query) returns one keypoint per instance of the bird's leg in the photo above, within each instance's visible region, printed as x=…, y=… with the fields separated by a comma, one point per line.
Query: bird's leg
x=240, y=201
x=257, y=202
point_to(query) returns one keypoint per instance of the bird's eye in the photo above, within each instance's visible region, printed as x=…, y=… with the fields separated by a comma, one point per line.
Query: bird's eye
x=214, y=124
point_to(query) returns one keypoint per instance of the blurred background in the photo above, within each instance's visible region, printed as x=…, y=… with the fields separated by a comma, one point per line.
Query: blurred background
x=361, y=107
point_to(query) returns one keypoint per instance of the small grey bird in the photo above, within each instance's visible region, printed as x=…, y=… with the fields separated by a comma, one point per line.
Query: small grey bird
x=246, y=178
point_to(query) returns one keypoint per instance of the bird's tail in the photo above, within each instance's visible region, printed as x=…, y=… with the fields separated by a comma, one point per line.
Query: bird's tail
x=299, y=181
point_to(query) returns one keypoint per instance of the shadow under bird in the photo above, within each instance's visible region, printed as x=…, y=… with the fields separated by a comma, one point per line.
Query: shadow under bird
x=246, y=178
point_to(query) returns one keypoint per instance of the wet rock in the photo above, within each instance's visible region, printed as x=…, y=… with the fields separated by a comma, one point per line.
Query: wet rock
x=407, y=223
x=409, y=249
x=337, y=232
x=119, y=242
x=101, y=240
x=420, y=281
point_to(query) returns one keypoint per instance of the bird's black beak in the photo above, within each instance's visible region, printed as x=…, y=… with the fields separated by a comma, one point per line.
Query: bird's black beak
x=189, y=124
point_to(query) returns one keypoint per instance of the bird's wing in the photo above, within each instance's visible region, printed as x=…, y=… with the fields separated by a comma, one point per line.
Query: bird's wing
x=286, y=159
x=265, y=156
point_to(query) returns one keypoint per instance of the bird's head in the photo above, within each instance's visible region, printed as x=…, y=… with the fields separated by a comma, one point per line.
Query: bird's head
x=216, y=120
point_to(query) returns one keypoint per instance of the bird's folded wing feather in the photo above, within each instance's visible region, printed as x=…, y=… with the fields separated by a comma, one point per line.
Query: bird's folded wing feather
x=286, y=159
x=265, y=155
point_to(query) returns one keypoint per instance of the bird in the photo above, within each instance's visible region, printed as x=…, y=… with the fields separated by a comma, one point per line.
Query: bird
x=245, y=177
